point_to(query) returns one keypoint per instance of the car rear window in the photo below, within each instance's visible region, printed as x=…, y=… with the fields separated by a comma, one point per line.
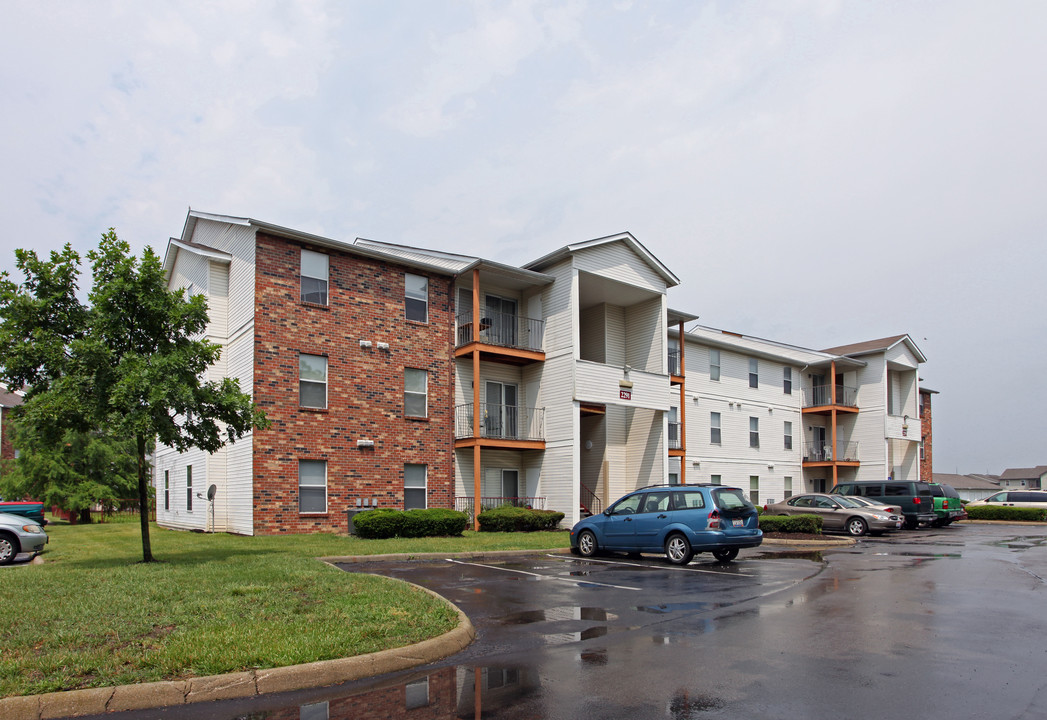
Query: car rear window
x=731, y=499
x=688, y=499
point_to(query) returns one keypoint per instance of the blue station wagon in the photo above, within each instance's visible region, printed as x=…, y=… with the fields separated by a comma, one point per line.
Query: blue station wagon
x=678, y=520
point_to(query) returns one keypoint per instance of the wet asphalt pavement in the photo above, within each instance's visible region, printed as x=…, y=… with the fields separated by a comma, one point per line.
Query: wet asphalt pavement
x=935, y=623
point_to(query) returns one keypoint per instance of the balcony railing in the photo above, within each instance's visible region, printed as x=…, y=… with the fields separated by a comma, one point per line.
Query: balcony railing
x=820, y=395
x=502, y=422
x=591, y=502
x=464, y=503
x=820, y=452
x=674, y=361
x=674, y=436
x=502, y=329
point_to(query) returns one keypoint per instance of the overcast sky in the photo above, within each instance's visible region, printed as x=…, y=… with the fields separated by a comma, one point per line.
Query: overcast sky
x=817, y=173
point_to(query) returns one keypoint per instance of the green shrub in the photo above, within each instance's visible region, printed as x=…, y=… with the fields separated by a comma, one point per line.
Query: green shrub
x=387, y=523
x=811, y=524
x=995, y=512
x=517, y=519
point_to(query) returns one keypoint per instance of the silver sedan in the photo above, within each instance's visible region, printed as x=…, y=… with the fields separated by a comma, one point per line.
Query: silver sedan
x=838, y=513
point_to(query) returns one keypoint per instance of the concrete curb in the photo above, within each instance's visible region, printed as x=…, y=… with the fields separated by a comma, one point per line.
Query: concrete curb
x=793, y=544
x=96, y=701
x=467, y=555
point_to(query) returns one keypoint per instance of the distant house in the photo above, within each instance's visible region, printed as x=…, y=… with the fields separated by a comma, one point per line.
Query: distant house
x=970, y=487
x=1027, y=478
x=8, y=402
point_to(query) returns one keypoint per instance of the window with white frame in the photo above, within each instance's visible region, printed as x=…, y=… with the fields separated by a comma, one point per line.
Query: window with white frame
x=314, y=277
x=416, y=297
x=167, y=489
x=714, y=428
x=415, y=487
x=714, y=364
x=754, y=373
x=787, y=380
x=788, y=487
x=754, y=489
x=416, y=389
x=188, y=488
x=754, y=432
x=312, y=486
x=788, y=435
x=312, y=381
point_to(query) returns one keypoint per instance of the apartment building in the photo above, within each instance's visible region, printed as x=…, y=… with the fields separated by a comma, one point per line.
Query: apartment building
x=403, y=377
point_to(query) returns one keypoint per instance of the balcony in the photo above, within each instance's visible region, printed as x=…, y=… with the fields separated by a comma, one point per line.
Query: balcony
x=821, y=396
x=821, y=453
x=674, y=361
x=502, y=330
x=675, y=443
x=509, y=423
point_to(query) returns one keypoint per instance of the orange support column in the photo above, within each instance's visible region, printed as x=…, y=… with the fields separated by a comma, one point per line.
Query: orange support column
x=477, y=473
x=683, y=412
x=832, y=395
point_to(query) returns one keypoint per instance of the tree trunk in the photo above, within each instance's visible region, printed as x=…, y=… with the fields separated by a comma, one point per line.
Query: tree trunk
x=85, y=515
x=143, y=501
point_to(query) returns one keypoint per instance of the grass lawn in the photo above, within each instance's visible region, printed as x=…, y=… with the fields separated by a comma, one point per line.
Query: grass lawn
x=92, y=615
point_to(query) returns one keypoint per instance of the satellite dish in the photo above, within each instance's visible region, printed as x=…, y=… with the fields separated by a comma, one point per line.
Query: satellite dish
x=211, y=492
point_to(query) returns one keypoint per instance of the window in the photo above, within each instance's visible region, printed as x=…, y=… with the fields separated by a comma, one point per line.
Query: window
x=655, y=502
x=688, y=499
x=674, y=478
x=754, y=373
x=314, y=277
x=312, y=486
x=414, y=487
x=754, y=432
x=754, y=489
x=715, y=479
x=167, y=489
x=188, y=488
x=312, y=381
x=923, y=450
x=788, y=487
x=714, y=364
x=416, y=386
x=416, y=297
x=787, y=380
x=788, y=436
x=416, y=694
x=714, y=428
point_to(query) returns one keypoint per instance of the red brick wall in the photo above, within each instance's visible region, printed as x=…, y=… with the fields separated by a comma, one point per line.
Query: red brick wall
x=364, y=392
x=926, y=467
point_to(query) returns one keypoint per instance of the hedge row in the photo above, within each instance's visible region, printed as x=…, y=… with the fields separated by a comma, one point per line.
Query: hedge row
x=811, y=524
x=517, y=519
x=387, y=523
x=998, y=512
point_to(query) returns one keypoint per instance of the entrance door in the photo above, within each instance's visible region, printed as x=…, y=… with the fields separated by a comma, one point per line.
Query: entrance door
x=511, y=486
x=500, y=319
x=500, y=416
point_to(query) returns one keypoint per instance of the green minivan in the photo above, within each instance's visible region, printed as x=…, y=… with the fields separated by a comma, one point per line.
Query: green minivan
x=915, y=500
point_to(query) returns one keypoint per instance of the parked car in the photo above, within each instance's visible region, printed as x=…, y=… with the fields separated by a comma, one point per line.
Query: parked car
x=883, y=507
x=18, y=534
x=678, y=520
x=914, y=499
x=1015, y=498
x=838, y=513
x=27, y=508
x=947, y=505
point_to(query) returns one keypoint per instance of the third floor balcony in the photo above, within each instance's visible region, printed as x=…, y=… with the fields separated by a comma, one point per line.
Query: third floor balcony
x=821, y=396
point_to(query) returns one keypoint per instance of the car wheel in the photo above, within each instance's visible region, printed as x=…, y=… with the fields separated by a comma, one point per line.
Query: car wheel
x=587, y=546
x=911, y=524
x=678, y=550
x=725, y=554
x=8, y=549
x=856, y=527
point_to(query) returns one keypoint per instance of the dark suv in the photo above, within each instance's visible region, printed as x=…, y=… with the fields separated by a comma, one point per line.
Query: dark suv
x=914, y=499
x=678, y=520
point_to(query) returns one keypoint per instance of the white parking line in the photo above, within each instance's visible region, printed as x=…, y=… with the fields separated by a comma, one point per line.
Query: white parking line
x=650, y=567
x=543, y=577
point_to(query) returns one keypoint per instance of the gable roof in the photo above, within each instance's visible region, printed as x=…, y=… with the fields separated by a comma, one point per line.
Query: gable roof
x=10, y=399
x=878, y=345
x=967, y=482
x=625, y=238
x=1023, y=473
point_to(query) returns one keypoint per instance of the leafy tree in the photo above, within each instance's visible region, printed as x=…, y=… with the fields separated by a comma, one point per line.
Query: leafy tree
x=81, y=470
x=130, y=361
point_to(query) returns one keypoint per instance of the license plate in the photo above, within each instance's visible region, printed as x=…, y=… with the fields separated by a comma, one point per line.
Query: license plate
x=738, y=522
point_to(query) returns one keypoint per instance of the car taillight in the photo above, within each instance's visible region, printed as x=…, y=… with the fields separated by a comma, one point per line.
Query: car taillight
x=945, y=504
x=714, y=520
x=916, y=501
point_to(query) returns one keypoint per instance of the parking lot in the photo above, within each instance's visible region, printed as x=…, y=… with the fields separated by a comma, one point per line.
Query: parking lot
x=930, y=623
